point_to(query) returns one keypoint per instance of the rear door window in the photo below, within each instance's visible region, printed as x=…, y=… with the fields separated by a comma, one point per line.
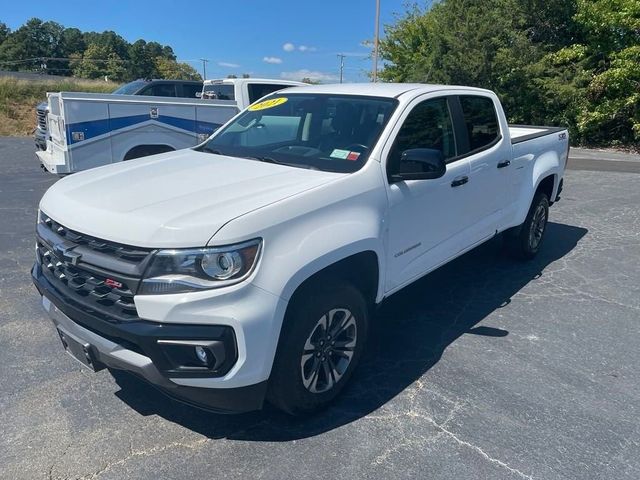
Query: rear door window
x=189, y=90
x=161, y=90
x=481, y=121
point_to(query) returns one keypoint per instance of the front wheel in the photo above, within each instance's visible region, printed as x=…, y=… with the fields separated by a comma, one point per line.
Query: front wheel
x=525, y=244
x=321, y=343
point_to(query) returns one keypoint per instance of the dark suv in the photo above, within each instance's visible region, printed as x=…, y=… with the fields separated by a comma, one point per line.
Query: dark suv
x=153, y=88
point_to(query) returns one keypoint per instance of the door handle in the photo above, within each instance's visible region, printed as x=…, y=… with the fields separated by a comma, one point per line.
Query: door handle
x=504, y=163
x=459, y=181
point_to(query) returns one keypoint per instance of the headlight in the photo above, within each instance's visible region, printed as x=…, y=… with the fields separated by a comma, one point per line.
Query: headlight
x=177, y=271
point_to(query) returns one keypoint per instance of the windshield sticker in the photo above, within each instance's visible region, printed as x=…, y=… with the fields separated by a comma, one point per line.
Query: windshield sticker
x=353, y=156
x=337, y=153
x=274, y=102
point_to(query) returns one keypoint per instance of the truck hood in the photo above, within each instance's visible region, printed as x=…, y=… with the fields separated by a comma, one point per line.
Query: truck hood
x=175, y=199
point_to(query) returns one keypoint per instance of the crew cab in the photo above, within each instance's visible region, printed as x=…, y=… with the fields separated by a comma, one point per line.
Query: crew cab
x=87, y=130
x=247, y=268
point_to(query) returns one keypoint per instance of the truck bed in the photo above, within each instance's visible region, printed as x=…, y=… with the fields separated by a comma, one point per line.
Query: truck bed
x=522, y=133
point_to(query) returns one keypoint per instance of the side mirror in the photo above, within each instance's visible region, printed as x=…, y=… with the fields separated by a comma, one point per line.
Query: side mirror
x=420, y=164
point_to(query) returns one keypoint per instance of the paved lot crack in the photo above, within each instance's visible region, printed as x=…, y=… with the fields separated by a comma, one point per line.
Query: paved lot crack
x=147, y=452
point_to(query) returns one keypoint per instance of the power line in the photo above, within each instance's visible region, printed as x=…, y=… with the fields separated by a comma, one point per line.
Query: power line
x=72, y=59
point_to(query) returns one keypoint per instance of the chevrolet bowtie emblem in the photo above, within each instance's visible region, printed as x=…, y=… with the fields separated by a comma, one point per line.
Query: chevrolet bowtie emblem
x=67, y=254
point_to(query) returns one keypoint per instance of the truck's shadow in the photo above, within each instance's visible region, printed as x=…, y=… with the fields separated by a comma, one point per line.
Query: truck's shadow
x=413, y=328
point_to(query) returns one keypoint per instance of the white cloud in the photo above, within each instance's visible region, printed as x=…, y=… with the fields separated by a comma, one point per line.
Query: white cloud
x=288, y=47
x=228, y=65
x=275, y=60
x=312, y=74
x=305, y=48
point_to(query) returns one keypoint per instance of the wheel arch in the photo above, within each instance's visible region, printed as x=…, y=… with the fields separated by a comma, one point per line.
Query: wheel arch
x=361, y=267
x=547, y=185
x=146, y=150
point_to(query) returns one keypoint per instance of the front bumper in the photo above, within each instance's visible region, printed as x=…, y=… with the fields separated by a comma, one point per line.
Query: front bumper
x=54, y=159
x=40, y=139
x=133, y=346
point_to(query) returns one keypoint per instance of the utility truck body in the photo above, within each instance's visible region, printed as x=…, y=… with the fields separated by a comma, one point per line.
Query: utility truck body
x=87, y=130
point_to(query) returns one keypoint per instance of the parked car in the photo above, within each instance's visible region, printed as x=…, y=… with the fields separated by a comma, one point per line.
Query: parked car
x=243, y=90
x=156, y=88
x=87, y=130
x=248, y=267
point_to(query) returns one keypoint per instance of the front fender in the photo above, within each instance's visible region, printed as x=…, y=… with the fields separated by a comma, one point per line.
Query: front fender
x=308, y=232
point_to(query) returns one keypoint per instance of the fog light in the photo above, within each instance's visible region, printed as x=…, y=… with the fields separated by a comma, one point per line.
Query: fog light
x=201, y=353
x=196, y=355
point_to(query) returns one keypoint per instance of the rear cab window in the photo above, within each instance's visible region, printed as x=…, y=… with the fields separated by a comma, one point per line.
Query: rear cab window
x=219, y=91
x=259, y=90
x=480, y=120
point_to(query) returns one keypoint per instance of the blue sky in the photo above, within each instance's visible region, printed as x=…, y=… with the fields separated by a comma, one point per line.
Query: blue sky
x=277, y=38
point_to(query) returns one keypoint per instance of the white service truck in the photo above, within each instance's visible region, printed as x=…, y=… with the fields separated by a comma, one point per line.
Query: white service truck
x=248, y=267
x=87, y=130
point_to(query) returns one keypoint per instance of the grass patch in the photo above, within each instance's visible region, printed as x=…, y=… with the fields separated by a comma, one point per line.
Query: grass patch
x=18, y=99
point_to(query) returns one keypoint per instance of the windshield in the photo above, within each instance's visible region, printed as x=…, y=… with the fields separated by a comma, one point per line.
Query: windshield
x=219, y=91
x=129, y=88
x=320, y=131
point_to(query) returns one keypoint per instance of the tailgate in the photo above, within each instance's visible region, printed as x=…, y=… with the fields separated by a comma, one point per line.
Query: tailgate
x=56, y=119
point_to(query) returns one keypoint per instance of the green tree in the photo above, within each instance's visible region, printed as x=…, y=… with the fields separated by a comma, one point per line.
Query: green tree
x=596, y=80
x=72, y=42
x=567, y=62
x=170, y=69
x=94, y=63
x=29, y=47
x=116, y=69
x=4, y=32
x=110, y=39
x=141, y=64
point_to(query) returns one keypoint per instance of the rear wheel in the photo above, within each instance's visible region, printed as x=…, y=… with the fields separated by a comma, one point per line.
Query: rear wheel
x=525, y=242
x=321, y=343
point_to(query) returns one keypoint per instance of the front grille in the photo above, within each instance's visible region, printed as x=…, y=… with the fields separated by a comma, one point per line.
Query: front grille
x=99, y=288
x=125, y=252
x=42, y=119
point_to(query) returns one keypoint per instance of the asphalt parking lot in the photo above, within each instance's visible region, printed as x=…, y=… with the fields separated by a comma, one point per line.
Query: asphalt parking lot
x=486, y=369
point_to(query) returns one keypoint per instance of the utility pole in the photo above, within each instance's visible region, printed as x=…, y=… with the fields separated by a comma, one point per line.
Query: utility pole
x=204, y=68
x=376, y=35
x=341, y=57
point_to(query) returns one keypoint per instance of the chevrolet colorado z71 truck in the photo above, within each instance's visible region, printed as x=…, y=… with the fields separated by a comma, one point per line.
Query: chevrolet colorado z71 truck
x=247, y=268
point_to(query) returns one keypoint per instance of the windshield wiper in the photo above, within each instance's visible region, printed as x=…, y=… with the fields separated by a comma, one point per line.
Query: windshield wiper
x=277, y=162
x=266, y=160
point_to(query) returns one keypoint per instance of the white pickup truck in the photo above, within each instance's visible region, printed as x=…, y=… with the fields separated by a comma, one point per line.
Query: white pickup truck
x=87, y=130
x=247, y=268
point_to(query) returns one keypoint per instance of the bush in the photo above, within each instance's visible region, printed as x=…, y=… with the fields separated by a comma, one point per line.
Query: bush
x=18, y=99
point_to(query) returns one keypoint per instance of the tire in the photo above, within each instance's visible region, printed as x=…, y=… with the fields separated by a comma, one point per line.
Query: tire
x=525, y=242
x=309, y=371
